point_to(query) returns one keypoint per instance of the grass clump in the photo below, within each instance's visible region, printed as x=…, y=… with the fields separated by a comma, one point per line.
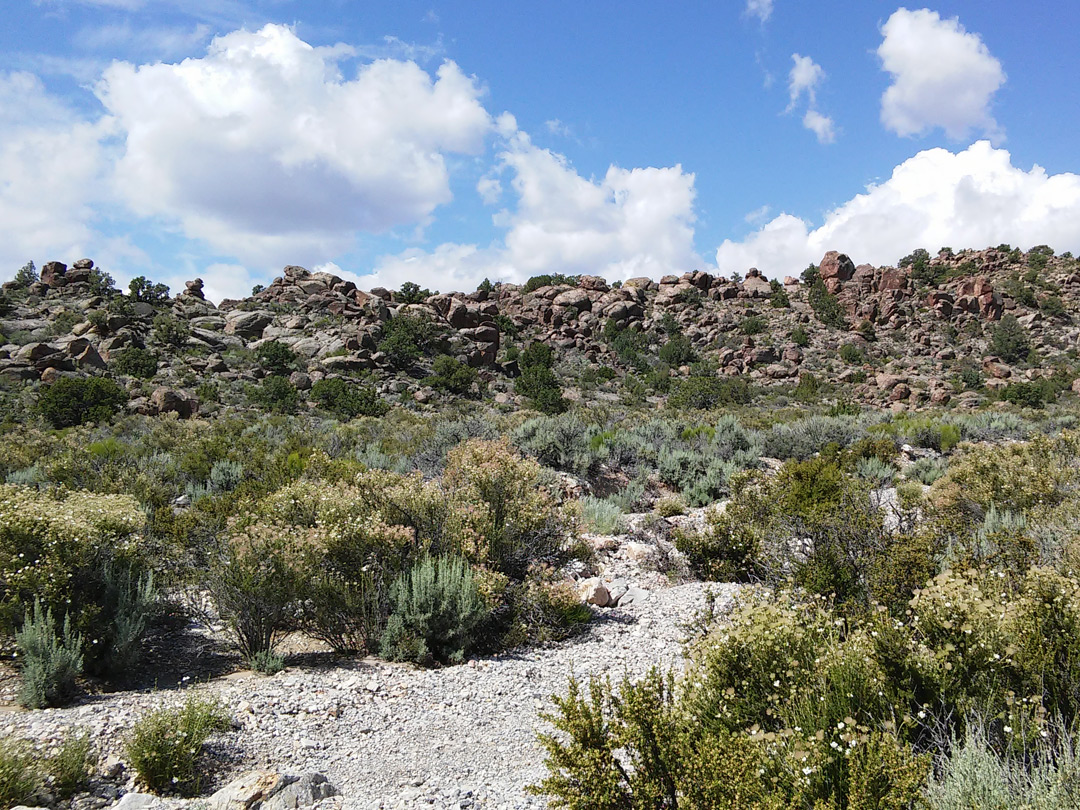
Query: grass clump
x=166, y=746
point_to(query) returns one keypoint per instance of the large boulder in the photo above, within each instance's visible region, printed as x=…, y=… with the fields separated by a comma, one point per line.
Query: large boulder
x=169, y=400
x=247, y=324
x=836, y=266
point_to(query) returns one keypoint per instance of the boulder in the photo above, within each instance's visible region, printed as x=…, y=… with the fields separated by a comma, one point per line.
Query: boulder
x=836, y=266
x=755, y=284
x=247, y=324
x=248, y=791
x=575, y=299
x=168, y=400
x=594, y=592
x=52, y=274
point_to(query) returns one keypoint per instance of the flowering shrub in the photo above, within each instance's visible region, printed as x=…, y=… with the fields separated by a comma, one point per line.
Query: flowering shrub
x=61, y=547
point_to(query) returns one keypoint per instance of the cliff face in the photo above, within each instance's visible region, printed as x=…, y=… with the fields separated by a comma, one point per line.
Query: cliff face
x=912, y=330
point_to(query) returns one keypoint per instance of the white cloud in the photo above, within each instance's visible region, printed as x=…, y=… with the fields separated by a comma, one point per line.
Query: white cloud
x=943, y=76
x=972, y=198
x=757, y=214
x=820, y=125
x=762, y=9
x=51, y=166
x=160, y=41
x=631, y=222
x=266, y=153
x=557, y=127
x=489, y=189
x=804, y=78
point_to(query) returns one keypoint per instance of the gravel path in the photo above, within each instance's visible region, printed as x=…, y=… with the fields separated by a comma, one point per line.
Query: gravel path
x=393, y=736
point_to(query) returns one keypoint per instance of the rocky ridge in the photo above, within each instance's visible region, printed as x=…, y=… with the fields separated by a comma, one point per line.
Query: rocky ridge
x=916, y=333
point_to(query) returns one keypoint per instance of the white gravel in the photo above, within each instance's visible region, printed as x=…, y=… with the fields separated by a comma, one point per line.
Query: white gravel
x=393, y=736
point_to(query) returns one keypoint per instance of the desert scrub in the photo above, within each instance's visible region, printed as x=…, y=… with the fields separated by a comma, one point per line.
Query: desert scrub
x=600, y=516
x=76, y=401
x=640, y=745
x=70, y=767
x=19, y=775
x=166, y=746
x=60, y=547
x=436, y=610
x=50, y=662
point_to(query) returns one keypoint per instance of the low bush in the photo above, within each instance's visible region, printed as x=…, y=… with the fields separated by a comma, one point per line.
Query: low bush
x=50, y=662
x=452, y=375
x=255, y=582
x=276, y=357
x=436, y=609
x=166, y=746
x=346, y=400
x=405, y=339
x=538, y=381
x=276, y=394
x=74, y=401
x=600, y=516
x=135, y=362
x=70, y=767
x=19, y=774
x=704, y=393
x=171, y=331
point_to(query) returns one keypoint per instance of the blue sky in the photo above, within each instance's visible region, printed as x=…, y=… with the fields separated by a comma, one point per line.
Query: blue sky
x=446, y=142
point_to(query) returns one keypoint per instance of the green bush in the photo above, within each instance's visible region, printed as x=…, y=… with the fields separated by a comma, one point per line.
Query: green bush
x=600, y=516
x=852, y=354
x=74, y=401
x=50, y=663
x=347, y=400
x=548, y=280
x=452, y=375
x=70, y=767
x=753, y=325
x=436, y=609
x=705, y=393
x=171, y=331
x=800, y=337
x=19, y=775
x=277, y=394
x=166, y=746
x=562, y=442
x=778, y=297
x=677, y=351
x=345, y=609
x=26, y=275
x=1009, y=340
x=275, y=357
x=85, y=554
x=135, y=362
x=142, y=289
x=405, y=339
x=255, y=583
x=826, y=306
x=538, y=381
x=629, y=345
x=411, y=293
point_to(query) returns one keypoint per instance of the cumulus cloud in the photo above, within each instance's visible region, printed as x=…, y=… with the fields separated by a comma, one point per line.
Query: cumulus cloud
x=972, y=198
x=51, y=164
x=264, y=151
x=805, y=76
x=762, y=9
x=942, y=76
x=630, y=222
x=820, y=125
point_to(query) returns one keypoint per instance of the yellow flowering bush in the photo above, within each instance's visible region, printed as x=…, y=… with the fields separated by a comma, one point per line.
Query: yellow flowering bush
x=55, y=546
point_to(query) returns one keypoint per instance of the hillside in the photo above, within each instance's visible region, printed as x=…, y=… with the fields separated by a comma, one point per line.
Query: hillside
x=696, y=541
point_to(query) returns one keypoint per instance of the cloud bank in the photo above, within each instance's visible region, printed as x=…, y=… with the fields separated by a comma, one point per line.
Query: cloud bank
x=937, y=198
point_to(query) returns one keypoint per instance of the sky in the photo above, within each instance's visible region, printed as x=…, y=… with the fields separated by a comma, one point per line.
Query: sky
x=448, y=142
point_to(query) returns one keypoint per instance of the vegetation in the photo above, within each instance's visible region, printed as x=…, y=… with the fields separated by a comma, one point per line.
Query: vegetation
x=69, y=401
x=166, y=746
